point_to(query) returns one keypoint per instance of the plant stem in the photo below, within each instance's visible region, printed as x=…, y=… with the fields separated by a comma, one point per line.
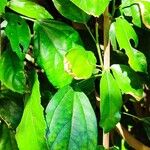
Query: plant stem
x=107, y=22
x=113, y=8
x=132, y=116
x=30, y=19
x=97, y=44
x=90, y=33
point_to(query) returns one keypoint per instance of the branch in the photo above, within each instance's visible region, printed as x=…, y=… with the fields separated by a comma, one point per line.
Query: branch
x=134, y=143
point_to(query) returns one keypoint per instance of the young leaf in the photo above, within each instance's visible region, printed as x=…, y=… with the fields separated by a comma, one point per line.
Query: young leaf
x=52, y=41
x=80, y=63
x=18, y=33
x=95, y=8
x=3, y=3
x=125, y=33
x=31, y=130
x=111, y=102
x=12, y=72
x=71, y=121
x=7, y=138
x=75, y=14
x=130, y=81
x=29, y=9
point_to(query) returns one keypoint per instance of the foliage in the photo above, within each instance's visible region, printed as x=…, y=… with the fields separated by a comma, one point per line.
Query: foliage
x=62, y=83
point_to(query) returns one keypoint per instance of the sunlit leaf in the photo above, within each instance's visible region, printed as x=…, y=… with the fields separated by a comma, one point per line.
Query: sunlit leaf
x=92, y=7
x=80, y=63
x=124, y=34
x=29, y=9
x=71, y=11
x=130, y=81
x=30, y=133
x=71, y=121
x=7, y=138
x=52, y=41
x=18, y=33
x=3, y=3
x=145, y=11
x=131, y=9
x=12, y=72
x=111, y=102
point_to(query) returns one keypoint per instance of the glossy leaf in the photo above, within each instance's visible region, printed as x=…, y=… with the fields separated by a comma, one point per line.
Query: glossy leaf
x=52, y=41
x=71, y=121
x=131, y=9
x=111, y=102
x=18, y=33
x=80, y=63
x=12, y=72
x=95, y=8
x=130, y=81
x=30, y=133
x=7, y=138
x=125, y=33
x=3, y=3
x=30, y=9
x=71, y=11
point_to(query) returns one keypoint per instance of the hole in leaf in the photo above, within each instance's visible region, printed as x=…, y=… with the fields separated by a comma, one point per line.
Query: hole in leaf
x=132, y=42
x=21, y=47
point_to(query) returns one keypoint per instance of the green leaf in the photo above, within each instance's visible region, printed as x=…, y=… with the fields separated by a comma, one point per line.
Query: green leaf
x=3, y=3
x=130, y=81
x=29, y=9
x=7, y=138
x=11, y=108
x=71, y=11
x=111, y=102
x=112, y=36
x=18, y=33
x=52, y=41
x=125, y=33
x=12, y=72
x=131, y=9
x=95, y=8
x=145, y=11
x=80, y=63
x=146, y=124
x=30, y=133
x=71, y=121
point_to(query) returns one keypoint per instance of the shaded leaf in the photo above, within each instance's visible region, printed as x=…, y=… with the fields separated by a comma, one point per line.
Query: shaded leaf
x=71, y=11
x=112, y=36
x=125, y=33
x=30, y=133
x=18, y=33
x=95, y=8
x=3, y=3
x=52, y=41
x=29, y=9
x=12, y=72
x=7, y=138
x=80, y=63
x=71, y=121
x=146, y=124
x=111, y=102
x=130, y=81
x=11, y=108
